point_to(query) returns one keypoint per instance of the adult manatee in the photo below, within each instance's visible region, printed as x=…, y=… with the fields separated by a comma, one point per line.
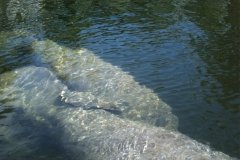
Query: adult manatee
x=83, y=71
x=93, y=134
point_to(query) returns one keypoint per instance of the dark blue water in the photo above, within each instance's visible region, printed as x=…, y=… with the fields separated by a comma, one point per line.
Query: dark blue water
x=186, y=51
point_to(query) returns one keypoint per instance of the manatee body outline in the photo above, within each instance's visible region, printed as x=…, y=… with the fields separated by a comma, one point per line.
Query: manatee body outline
x=84, y=71
x=97, y=133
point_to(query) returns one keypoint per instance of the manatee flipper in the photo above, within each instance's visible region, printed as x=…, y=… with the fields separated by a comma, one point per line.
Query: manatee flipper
x=88, y=101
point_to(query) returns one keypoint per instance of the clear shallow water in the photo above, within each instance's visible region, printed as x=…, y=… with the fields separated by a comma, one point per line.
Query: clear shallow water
x=186, y=52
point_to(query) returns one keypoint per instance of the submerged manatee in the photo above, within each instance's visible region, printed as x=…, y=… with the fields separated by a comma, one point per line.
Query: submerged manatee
x=84, y=71
x=98, y=134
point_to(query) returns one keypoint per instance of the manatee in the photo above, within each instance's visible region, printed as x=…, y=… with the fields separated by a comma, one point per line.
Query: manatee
x=116, y=91
x=83, y=71
x=94, y=134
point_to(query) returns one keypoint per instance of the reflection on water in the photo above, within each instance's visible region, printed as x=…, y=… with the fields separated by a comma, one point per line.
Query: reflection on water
x=187, y=52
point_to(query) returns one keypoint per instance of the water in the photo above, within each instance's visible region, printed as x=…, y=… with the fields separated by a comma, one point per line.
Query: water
x=186, y=52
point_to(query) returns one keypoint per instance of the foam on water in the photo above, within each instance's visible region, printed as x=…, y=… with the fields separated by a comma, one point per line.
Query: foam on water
x=93, y=134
